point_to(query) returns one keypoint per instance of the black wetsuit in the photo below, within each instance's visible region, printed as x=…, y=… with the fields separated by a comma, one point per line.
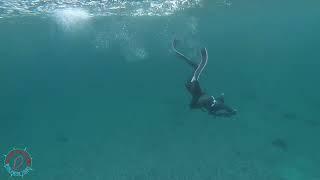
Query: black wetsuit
x=201, y=100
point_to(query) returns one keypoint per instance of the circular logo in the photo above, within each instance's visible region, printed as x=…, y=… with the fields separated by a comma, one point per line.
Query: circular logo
x=18, y=162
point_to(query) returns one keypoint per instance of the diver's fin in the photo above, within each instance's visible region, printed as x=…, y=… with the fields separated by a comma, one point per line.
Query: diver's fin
x=185, y=58
x=202, y=64
x=204, y=54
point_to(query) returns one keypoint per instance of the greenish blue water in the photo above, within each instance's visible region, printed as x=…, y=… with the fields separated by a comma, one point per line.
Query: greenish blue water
x=105, y=99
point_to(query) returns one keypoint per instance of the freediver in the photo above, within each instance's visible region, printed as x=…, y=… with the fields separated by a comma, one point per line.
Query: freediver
x=200, y=100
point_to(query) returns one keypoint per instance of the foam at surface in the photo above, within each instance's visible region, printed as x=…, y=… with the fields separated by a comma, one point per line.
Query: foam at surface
x=97, y=8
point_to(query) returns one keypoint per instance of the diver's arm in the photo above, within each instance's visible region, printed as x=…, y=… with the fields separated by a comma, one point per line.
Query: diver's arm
x=224, y=111
x=185, y=58
x=222, y=114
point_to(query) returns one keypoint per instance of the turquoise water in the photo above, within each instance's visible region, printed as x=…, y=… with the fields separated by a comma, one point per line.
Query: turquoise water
x=97, y=95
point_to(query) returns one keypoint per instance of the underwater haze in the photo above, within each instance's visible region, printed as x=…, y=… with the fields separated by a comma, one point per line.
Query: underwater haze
x=94, y=91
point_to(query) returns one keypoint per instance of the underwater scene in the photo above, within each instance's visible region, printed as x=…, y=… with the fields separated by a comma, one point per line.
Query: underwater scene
x=159, y=90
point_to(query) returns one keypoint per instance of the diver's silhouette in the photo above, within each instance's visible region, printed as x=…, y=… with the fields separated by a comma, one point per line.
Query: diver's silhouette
x=200, y=100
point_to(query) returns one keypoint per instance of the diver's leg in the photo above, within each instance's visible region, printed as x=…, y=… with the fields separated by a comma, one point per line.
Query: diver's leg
x=194, y=88
x=201, y=66
x=186, y=59
x=195, y=91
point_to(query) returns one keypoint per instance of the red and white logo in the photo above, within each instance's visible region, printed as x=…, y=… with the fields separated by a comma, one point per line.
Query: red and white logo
x=18, y=162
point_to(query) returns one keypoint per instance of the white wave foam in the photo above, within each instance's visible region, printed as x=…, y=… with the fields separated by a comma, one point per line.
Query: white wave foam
x=71, y=18
x=96, y=7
